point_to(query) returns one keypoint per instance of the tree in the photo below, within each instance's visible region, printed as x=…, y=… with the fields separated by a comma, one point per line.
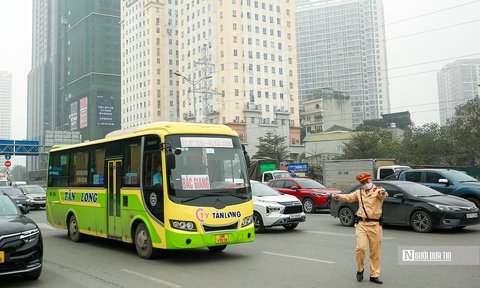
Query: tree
x=464, y=131
x=273, y=146
x=18, y=172
x=373, y=144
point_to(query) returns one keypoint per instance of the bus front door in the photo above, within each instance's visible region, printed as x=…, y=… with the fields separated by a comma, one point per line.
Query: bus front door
x=114, y=211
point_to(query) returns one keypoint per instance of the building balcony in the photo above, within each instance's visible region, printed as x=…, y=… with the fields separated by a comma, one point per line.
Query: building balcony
x=251, y=107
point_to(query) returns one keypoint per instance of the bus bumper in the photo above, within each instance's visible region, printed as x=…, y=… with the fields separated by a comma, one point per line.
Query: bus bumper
x=184, y=240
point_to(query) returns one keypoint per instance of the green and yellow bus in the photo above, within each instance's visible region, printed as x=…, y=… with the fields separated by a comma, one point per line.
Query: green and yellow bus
x=161, y=186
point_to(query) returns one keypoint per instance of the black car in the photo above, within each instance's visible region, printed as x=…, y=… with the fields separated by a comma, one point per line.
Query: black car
x=21, y=247
x=22, y=201
x=415, y=205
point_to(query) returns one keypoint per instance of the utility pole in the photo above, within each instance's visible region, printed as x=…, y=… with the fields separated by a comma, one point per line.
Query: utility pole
x=205, y=87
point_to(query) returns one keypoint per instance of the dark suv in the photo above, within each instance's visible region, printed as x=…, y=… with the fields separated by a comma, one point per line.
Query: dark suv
x=446, y=181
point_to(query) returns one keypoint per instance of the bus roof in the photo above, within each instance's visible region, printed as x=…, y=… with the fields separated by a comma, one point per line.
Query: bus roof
x=162, y=128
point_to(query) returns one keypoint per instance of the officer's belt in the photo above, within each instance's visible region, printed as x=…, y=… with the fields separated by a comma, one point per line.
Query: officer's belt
x=368, y=219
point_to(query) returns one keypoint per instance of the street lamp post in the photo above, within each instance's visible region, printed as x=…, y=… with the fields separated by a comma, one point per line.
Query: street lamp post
x=193, y=82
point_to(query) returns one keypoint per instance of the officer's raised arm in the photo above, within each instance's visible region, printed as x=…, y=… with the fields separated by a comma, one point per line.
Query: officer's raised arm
x=351, y=197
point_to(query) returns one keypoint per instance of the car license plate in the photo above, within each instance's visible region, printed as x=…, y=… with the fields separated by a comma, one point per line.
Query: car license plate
x=2, y=256
x=472, y=215
x=295, y=216
x=221, y=239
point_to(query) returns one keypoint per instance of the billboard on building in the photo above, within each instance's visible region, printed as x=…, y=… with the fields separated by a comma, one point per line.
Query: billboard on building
x=105, y=110
x=73, y=116
x=83, y=112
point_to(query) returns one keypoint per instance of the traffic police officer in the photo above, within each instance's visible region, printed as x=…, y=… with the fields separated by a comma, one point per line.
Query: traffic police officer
x=368, y=227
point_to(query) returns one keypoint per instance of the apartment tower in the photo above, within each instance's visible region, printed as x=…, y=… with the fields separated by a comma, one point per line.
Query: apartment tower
x=341, y=46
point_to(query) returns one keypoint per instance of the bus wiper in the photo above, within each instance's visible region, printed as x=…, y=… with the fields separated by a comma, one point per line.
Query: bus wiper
x=214, y=195
x=200, y=196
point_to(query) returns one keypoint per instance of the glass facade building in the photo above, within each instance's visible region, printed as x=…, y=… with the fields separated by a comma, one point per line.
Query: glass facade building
x=457, y=83
x=341, y=46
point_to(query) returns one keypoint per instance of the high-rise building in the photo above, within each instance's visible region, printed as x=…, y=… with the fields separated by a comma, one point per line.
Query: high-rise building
x=457, y=83
x=74, y=83
x=341, y=46
x=6, y=107
x=237, y=66
x=149, y=57
x=40, y=113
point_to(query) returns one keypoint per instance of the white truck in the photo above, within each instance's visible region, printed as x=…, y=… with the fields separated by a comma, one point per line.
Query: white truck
x=340, y=174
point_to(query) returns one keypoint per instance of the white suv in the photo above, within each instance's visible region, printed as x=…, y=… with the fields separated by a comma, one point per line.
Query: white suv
x=272, y=208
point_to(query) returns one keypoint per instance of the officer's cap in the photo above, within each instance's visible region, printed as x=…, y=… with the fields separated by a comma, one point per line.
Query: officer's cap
x=363, y=176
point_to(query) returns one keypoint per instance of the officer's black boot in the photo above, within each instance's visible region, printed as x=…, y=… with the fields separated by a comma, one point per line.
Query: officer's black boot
x=359, y=276
x=375, y=280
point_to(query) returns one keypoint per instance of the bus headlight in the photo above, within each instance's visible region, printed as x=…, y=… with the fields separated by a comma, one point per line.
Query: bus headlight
x=247, y=221
x=183, y=225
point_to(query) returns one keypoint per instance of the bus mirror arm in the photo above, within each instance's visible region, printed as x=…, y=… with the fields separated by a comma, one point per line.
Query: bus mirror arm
x=170, y=159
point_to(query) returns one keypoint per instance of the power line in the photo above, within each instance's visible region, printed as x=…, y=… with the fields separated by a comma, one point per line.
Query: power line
x=430, y=13
x=432, y=30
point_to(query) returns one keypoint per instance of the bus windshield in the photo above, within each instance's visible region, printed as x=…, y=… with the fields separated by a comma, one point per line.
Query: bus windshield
x=206, y=165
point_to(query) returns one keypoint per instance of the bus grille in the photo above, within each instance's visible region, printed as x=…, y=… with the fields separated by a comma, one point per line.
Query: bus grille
x=208, y=228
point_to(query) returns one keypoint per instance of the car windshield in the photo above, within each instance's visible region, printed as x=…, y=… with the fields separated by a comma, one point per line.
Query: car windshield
x=283, y=174
x=33, y=190
x=12, y=192
x=310, y=184
x=262, y=190
x=7, y=207
x=457, y=176
x=418, y=190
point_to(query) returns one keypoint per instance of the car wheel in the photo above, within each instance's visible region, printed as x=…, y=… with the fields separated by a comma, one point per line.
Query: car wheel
x=346, y=216
x=308, y=205
x=421, y=222
x=216, y=249
x=32, y=275
x=74, y=231
x=475, y=201
x=290, y=226
x=258, y=222
x=143, y=243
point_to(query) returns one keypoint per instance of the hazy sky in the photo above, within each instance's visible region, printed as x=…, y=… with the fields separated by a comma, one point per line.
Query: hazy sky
x=453, y=34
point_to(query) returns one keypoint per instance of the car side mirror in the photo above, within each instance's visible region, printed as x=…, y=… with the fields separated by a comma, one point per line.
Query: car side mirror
x=399, y=196
x=294, y=187
x=23, y=209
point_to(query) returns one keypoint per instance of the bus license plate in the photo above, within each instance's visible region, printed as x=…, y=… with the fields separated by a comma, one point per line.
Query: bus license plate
x=472, y=215
x=2, y=256
x=221, y=239
x=295, y=216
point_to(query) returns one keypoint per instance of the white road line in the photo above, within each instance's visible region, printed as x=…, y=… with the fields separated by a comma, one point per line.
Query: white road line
x=45, y=226
x=298, y=257
x=343, y=234
x=153, y=279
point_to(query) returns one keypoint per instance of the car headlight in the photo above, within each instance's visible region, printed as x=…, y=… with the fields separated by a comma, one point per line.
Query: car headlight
x=271, y=209
x=247, y=221
x=445, y=207
x=29, y=236
x=183, y=225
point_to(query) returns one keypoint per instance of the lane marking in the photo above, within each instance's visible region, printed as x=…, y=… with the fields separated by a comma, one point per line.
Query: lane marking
x=153, y=279
x=343, y=234
x=45, y=226
x=300, y=258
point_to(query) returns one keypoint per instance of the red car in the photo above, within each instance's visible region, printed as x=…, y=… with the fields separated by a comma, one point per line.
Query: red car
x=313, y=195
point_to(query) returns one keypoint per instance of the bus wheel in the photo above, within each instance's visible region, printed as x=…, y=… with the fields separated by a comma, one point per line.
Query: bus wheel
x=143, y=243
x=216, y=249
x=74, y=231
